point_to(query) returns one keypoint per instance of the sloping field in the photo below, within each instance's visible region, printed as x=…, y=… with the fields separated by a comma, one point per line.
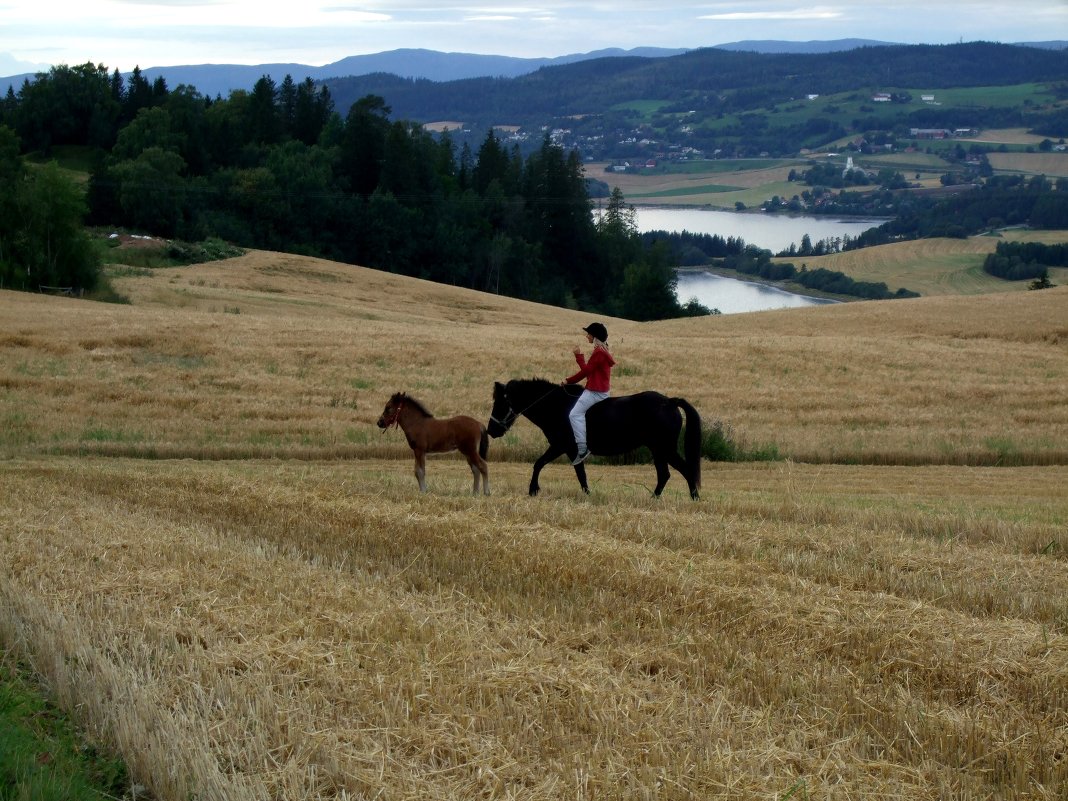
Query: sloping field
x=261, y=605
x=936, y=266
x=721, y=188
x=283, y=356
x=1052, y=165
x=1007, y=136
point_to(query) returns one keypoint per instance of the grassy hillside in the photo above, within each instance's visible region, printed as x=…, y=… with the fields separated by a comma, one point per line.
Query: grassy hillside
x=710, y=183
x=936, y=266
x=261, y=604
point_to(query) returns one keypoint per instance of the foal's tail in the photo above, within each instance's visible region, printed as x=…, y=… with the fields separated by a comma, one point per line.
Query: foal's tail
x=483, y=444
x=691, y=445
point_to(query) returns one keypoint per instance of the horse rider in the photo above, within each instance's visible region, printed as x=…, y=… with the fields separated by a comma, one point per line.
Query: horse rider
x=597, y=370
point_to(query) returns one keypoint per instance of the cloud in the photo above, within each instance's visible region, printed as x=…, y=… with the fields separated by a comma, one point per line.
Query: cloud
x=503, y=10
x=818, y=13
x=494, y=14
x=358, y=14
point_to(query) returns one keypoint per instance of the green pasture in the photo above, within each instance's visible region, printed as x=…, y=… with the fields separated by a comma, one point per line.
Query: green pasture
x=688, y=191
x=712, y=167
x=856, y=104
x=923, y=162
x=74, y=158
x=941, y=274
x=720, y=196
x=720, y=166
x=646, y=108
x=43, y=757
x=921, y=270
x=75, y=162
x=1019, y=95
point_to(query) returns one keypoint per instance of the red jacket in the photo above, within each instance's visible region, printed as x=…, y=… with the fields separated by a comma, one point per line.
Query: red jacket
x=597, y=372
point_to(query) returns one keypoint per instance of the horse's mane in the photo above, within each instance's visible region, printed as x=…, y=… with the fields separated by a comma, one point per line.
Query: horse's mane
x=538, y=388
x=542, y=383
x=408, y=399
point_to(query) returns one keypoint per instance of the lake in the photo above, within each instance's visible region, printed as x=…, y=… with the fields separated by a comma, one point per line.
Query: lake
x=732, y=296
x=776, y=232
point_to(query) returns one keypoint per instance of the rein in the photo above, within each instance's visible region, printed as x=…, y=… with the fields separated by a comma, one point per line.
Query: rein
x=513, y=415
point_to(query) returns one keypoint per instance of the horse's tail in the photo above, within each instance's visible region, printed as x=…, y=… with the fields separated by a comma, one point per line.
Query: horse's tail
x=692, y=442
x=483, y=444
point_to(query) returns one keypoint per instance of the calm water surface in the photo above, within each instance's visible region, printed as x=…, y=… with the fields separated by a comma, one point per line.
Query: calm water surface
x=776, y=232
x=732, y=296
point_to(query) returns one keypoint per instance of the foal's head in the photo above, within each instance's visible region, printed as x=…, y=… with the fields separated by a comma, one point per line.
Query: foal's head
x=397, y=403
x=391, y=413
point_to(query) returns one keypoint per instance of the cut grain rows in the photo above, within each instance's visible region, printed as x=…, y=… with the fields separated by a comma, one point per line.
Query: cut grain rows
x=322, y=637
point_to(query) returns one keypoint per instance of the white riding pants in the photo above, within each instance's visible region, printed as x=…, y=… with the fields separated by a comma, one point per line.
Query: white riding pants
x=578, y=414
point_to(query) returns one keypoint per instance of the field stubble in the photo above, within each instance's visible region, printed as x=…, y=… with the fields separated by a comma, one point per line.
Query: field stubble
x=288, y=630
x=246, y=628
x=309, y=352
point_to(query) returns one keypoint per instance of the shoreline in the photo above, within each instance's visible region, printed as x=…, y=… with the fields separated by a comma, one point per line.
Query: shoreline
x=785, y=286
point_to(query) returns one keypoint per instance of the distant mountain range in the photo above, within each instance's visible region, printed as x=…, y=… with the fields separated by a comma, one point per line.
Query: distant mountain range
x=221, y=79
x=605, y=96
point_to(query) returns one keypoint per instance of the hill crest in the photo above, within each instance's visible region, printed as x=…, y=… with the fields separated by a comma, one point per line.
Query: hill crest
x=438, y=66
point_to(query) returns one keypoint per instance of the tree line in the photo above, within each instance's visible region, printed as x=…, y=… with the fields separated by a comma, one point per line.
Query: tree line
x=1018, y=261
x=43, y=243
x=997, y=201
x=278, y=168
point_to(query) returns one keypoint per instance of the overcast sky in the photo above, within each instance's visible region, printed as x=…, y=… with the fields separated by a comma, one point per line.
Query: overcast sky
x=123, y=34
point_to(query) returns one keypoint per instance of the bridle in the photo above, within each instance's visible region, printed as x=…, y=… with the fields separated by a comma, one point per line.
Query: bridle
x=394, y=420
x=513, y=415
x=509, y=419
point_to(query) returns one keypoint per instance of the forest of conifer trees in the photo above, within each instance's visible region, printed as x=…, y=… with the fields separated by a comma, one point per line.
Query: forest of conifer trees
x=277, y=168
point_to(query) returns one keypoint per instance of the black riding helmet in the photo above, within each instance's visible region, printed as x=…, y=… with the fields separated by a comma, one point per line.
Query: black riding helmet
x=597, y=331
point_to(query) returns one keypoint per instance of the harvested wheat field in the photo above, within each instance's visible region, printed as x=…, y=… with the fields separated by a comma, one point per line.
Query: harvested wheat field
x=270, y=355
x=211, y=556
x=719, y=188
x=1051, y=165
x=1008, y=136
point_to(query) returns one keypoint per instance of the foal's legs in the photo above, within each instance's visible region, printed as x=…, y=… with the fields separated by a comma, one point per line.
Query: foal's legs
x=479, y=469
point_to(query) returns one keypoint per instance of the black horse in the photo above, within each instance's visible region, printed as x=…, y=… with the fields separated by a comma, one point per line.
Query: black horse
x=615, y=426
